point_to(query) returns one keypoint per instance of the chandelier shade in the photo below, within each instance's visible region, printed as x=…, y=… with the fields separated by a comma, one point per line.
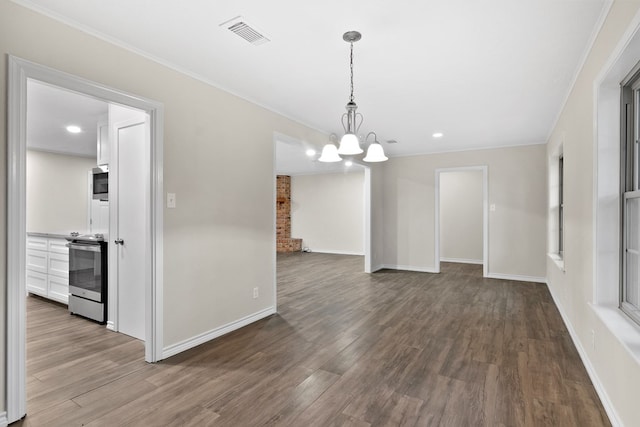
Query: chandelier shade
x=375, y=152
x=329, y=154
x=349, y=145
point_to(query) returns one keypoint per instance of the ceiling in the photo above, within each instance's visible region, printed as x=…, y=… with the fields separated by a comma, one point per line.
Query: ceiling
x=50, y=110
x=486, y=73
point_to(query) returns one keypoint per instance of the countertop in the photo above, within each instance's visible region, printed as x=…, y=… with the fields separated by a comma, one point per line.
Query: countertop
x=51, y=234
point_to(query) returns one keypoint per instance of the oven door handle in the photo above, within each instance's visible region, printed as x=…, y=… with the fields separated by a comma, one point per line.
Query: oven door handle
x=90, y=248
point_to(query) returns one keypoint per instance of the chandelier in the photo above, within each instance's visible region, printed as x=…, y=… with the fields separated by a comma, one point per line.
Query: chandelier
x=351, y=122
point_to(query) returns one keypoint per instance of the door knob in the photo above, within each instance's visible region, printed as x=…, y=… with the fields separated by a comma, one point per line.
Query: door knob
x=119, y=242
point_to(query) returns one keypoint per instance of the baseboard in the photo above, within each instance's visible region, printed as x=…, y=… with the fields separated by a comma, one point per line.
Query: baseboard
x=332, y=252
x=595, y=380
x=408, y=268
x=4, y=421
x=195, y=341
x=516, y=277
x=462, y=260
x=110, y=325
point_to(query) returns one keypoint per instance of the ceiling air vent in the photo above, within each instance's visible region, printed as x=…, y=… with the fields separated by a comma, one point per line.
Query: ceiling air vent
x=240, y=27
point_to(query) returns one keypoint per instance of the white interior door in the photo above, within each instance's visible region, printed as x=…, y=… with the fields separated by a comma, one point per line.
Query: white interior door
x=129, y=169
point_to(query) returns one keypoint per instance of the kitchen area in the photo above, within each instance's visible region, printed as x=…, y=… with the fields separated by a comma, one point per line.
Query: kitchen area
x=68, y=207
x=67, y=199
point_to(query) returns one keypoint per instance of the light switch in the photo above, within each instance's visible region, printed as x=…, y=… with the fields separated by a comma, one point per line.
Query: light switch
x=171, y=200
x=492, y=207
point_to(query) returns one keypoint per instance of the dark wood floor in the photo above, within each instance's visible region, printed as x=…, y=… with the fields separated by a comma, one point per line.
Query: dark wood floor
x=346, y=349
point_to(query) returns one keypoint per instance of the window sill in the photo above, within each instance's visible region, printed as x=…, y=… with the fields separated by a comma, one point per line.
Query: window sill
x=557, y=260
x=623, y=328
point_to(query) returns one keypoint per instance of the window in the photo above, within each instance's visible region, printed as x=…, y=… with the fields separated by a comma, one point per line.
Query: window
x=630, y=197
x=555, y=239
x=561, y=206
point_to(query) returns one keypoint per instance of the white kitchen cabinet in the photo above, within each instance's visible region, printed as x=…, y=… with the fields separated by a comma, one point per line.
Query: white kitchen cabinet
x=47, y=272
x=37, y=283
x=103, y=143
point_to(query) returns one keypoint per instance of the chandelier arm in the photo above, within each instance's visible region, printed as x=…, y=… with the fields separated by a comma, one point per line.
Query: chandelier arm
x=357, y=127
x=345, y=126
x=375, y=137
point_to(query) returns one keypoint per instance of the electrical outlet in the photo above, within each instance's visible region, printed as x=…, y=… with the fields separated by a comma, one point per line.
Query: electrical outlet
x=256, y=293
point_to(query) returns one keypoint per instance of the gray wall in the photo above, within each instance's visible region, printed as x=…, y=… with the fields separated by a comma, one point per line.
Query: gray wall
x=57, y=192
x=517, y=228
x=327, y=212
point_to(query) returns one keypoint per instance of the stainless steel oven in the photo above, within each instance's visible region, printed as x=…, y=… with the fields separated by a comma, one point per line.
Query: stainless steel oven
x=88, y=276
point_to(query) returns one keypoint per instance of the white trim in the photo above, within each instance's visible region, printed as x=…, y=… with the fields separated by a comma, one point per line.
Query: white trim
x=517, y=278
x=595, y=380
x=407, y=268
x=557, y=260
x=4, y=421
x=367, y=220
x=462, y=260
x=215, y=333
x=274, y=216
x=485, y=214
x=336, y=252
x=110, y=325
x=16, y=244
x=20, y=71
x=436, y=222
x=377, y=268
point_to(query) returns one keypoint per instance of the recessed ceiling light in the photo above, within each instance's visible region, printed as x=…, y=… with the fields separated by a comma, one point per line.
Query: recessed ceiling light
x=310, y=152
x=348, y=163
x=438, y=135
x=74, y=129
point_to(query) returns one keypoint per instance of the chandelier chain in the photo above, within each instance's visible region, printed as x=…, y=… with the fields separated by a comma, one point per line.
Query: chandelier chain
x=351, y=68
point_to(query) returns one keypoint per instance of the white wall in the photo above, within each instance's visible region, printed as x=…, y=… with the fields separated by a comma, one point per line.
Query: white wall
x=461, y=216
x=327, y=212
x=517, y=228
x=600, y=338
x=57, y=192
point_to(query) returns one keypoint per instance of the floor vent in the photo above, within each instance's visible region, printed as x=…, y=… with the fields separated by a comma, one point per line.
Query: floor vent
x=238, y=26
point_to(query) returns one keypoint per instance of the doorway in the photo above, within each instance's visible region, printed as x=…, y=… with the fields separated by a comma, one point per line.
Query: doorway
x=463, y=193
x=20, y=72
x=296, y=158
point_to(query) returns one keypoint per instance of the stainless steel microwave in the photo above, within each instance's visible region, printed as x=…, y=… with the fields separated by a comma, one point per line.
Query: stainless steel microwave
x=101, y=183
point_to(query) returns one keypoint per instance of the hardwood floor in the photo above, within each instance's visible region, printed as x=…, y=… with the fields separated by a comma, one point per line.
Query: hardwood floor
x=346, y=349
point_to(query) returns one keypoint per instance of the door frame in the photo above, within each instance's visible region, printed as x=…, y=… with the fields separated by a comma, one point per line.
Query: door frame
x=485, y=214
x=19, y=71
